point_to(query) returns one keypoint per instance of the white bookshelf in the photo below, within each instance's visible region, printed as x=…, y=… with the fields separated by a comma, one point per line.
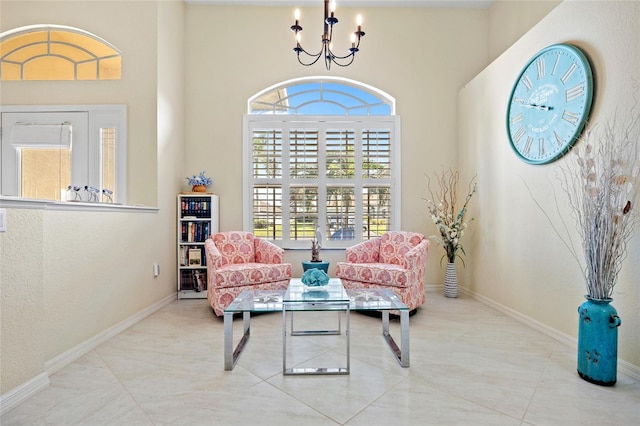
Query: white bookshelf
x=197, y=219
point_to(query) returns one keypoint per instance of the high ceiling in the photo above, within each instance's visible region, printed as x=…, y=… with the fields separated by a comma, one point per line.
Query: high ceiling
x=477, y=4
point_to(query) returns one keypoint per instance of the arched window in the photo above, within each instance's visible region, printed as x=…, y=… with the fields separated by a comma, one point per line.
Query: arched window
x=321, y=153
x=322, y=96
x=53, y=52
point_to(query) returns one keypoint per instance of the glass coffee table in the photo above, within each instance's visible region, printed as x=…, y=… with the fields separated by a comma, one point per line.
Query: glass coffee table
x=297, y=298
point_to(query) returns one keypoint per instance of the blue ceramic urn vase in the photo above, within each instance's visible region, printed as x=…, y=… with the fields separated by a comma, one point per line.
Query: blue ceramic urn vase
x=598, y=341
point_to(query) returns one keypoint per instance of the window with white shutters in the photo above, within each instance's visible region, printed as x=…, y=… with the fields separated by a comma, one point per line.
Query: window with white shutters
x=338, y=173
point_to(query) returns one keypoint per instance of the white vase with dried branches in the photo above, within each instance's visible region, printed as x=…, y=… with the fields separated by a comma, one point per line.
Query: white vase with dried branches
x=450, y=222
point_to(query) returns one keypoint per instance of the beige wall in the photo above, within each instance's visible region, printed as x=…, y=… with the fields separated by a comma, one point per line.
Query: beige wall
x=508, y=19
x=21, y=300
x=420, y=56
x=516, y=259
x=67, y=276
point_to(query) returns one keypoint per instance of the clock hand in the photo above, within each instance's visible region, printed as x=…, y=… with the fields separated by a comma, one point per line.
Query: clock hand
x=526, y=105
x=540, y=107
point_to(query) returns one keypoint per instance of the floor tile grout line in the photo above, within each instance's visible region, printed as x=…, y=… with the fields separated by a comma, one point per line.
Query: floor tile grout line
x=124, y=386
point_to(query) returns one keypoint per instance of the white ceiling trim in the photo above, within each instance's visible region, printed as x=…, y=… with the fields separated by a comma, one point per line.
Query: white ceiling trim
x=472, y=4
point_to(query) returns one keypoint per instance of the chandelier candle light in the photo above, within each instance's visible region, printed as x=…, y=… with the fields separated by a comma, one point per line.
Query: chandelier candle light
x=326, y=50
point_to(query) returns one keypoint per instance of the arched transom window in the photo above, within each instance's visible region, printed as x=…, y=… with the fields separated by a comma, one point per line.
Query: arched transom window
x=322, y=154
x=322, y=96
x=50, y=52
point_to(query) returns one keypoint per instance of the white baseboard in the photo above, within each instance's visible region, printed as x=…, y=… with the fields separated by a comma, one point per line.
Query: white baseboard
x=624, y=367
x=73, y=354
x=23, y=392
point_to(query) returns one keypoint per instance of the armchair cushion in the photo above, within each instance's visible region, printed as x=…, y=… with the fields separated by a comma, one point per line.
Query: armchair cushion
x=375, y=273
x=395, y=245
x=241, y=274
x=235, y=247
x=365, y=252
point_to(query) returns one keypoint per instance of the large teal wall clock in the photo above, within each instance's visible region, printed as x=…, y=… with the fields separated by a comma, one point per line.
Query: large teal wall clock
x=549, y=104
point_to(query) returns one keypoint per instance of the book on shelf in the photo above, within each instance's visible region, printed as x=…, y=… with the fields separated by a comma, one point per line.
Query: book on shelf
x=195, y=256
x=195, y=207
x=192, y=256
x=193, y=280
x=195, y=232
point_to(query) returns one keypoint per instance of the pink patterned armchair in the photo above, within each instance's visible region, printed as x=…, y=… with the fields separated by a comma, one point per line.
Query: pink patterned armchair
x=396, y=261
x=238, y=261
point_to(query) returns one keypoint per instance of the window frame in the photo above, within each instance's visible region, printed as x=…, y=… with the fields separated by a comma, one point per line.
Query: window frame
x=358, y=123
x=99, y=116
x=93, y=58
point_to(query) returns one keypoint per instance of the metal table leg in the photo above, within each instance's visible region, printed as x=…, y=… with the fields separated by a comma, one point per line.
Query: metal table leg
x=231, y=355
x=402, y=353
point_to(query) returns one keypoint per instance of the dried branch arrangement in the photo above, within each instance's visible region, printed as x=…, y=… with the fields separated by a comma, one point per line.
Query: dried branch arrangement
x=442, y=208
x=600, y=180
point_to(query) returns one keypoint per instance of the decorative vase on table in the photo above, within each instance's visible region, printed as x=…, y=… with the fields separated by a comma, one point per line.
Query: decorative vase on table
x=315, y=264
x=451, y=280
x=598, y=341
x=199, y=188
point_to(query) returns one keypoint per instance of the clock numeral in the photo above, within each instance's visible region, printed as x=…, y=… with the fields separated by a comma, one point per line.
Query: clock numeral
x=555, y=64
x=567, y=74
x=527, y=145
x=558, y=139
x=570, y=117
x=517, y=119
x=575, y=92
x=519, y=134
x=541, y=150
x=527, y=82
x=540, y=68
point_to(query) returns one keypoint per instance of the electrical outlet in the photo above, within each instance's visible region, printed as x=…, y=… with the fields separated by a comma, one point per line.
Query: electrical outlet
x=156, y=269
x=3, y=220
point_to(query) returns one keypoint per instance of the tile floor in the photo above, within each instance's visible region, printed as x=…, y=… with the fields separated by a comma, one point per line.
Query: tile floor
x=470, y=365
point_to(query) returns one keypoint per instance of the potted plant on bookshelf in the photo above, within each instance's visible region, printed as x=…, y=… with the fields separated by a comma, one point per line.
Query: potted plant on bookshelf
x=199, y=183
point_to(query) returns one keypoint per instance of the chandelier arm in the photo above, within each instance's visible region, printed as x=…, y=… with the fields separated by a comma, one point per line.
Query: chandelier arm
x=317, y=56
x=301, y=49
x=333, y=55
x=345, y=64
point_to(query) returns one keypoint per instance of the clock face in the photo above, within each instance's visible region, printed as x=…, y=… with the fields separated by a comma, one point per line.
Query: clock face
x=549, y=104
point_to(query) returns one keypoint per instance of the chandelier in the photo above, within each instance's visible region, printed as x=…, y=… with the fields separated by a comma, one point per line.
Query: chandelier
x=326, y=49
